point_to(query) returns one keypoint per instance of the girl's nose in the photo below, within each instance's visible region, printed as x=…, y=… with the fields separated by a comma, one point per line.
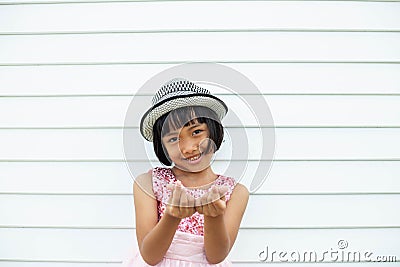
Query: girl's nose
x=188, y=147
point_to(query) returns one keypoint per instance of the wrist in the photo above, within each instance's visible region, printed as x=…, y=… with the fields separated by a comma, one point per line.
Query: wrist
x=172, y=219
x=214, y=218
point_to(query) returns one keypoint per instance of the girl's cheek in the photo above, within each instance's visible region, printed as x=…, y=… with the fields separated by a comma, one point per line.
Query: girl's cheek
x=173, y=149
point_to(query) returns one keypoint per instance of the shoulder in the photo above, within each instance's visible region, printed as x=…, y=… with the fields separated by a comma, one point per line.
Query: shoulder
x=226, y=181
x=154, y=182
x=235, y=189
x=155, y=174
x=144, y=177
x=240, y=192
x=144, y=183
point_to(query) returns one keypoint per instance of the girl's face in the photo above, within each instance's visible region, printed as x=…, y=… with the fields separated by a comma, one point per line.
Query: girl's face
x=187, y=147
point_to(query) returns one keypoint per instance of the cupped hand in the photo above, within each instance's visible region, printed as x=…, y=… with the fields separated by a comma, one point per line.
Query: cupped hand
x=180, y=204
x=213, y=203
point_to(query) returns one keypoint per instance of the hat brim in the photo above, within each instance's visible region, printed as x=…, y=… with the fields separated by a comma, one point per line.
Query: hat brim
x=155, y=112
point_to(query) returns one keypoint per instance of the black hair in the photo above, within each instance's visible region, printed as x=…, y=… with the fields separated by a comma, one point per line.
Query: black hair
x=183, y=117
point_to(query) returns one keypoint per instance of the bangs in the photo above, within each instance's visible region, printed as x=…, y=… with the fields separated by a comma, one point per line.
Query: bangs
x=186, y=116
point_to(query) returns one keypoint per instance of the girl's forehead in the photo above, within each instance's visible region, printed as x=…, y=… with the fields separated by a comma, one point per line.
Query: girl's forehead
x=190, y=124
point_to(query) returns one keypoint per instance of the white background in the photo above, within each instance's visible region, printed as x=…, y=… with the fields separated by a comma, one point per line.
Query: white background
x=329, y=70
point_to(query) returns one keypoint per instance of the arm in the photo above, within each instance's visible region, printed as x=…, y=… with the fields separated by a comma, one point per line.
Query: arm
x=220, y=231
x=154, y=238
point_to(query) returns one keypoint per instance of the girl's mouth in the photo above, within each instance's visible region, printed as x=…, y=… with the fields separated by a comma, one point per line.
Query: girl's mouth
x=194, y=159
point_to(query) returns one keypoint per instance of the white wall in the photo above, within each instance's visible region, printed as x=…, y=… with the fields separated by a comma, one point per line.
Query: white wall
x=330, y=71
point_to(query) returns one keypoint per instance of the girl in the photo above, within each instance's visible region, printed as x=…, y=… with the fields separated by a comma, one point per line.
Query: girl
x=186, y=215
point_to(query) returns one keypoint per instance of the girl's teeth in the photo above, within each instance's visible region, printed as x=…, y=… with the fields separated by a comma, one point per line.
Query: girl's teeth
x=194, y=158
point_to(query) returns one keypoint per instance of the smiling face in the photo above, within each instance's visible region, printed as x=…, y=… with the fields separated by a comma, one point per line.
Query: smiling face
x=190, y=147
x=185, y=127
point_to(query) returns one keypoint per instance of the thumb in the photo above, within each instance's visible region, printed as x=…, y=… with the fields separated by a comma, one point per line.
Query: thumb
x=222, y=190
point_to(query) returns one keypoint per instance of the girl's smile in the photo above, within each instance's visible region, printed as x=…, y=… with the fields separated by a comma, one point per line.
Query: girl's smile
x=194, y=159
x=187, y=147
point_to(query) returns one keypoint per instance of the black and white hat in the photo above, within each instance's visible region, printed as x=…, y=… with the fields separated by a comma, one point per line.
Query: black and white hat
x=178, y=93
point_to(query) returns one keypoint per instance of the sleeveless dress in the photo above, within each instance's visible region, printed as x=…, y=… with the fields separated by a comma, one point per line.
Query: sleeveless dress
x=187, y=246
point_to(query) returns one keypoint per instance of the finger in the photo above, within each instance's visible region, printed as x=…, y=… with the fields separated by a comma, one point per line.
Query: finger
x=191, y=201
x=203, y=203
x=183, y=205
x=197, y=202
x=170, y=207
x=219, y=205
x=176, y=196
x=210, y=202
x=183, y=201
x=211, y=210
x=222, y=190
x=198, y=206
x=170, y=186
x=191, y=207
x=214, y=194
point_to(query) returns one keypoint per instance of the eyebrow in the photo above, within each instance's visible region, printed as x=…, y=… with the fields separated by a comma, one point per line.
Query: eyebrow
x=190, y=127
x=194, y=125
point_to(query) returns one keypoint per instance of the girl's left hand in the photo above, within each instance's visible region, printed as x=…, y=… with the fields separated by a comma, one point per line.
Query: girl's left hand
x=213, y=203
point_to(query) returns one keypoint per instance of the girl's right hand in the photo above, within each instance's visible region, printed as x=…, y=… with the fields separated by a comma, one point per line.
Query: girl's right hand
x=180, y=204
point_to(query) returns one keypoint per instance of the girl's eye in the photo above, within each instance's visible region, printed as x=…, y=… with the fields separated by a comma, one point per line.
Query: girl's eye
x=173, y=139
x=197, y=131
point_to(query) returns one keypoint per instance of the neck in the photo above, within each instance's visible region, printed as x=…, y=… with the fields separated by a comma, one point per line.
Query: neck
x=195, y=179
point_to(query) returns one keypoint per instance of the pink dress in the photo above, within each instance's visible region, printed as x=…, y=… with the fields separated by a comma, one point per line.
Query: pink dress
x=187, y=247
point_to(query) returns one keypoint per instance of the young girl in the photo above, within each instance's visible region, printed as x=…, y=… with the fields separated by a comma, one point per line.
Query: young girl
x=186, y=215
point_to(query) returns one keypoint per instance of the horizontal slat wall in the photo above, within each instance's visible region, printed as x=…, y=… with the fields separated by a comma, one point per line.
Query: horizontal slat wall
x=305, y=110
x=112, y=176
x=276, y=211
x=271, y=78
x=297, y=143
x=329, y=71
x=170, y=15
x=159, y=47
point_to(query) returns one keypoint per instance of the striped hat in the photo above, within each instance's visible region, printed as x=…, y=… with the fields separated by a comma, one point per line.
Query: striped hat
x=178, y=93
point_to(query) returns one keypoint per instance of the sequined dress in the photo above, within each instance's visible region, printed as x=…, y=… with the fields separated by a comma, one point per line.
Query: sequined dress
x=187, y=247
